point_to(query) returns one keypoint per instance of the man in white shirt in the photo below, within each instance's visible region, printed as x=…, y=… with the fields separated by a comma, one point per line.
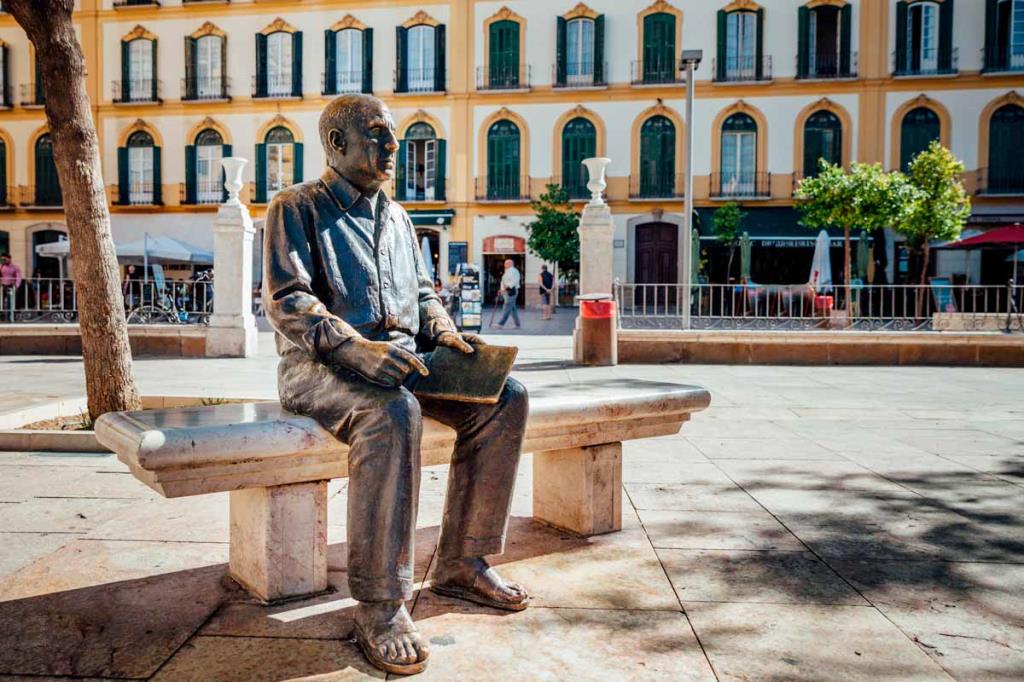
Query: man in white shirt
x=510, y=282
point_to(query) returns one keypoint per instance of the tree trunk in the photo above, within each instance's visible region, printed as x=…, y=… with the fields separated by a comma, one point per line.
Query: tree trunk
x=846, y=266
x=728, y=267
x=921, y=288
x=105, y=349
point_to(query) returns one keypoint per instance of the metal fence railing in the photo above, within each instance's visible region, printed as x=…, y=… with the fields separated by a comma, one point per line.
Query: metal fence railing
x=901, y=307
x=145, y=301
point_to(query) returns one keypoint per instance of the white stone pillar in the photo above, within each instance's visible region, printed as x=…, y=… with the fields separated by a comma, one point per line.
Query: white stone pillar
x=232, y=331
x=596, y=241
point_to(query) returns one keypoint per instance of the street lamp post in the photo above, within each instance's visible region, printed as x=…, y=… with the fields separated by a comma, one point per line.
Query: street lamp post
x=690, y=60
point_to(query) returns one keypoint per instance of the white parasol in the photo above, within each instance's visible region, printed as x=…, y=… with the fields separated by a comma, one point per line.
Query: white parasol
x=821, y=264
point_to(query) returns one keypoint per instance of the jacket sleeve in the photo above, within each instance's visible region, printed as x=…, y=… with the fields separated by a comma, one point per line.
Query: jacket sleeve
x=434, y=319
x=292, y=307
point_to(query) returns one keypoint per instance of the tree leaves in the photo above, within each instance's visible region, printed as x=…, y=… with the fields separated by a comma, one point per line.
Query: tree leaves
x=554, y=234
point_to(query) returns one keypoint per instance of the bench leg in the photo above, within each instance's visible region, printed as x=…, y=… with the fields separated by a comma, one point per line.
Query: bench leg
x=579, y=489
x=279, y=540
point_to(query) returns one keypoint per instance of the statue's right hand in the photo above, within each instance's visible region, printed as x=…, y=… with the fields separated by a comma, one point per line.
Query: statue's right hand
x=380, y=362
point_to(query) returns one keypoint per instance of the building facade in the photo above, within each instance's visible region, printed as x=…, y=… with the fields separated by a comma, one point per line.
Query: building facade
x=494, y=100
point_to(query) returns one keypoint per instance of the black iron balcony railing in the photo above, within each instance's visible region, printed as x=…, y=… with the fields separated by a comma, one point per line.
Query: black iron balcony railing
x=999, y=58
x=206, y=193
x=1003, y=180
x=8, y=196
x=503, y=189
x=32, y=95
x=657, y=72
x=579, y=74
x=204, y=2
x=419, y=80
x=118, y=4
x=136, y=91
x=210, y=89
x=829, y=66
x=742, y=69
x=656, y=186
x=405, y=193
x=341, y=82
x=928, y=62
x=41, y=196
x=138, y=194
x=509, y=77
x=742, y=185
x=575, y=185
x=275, y=86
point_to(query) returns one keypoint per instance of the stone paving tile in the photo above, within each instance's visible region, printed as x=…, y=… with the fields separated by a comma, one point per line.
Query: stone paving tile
x=755, y=448
x=676, y=449
x=1010, y=469
x=21, y=549
x=99, y=608
x=557, y=644
x=968, y=617
x=23, y=482
x=835, y=501
x=60, y=514
x=717, y=530
x=96, y=461
x=766, y=577
x=247, y=659
x=805, y=641
x=637, y=470
x=742, y=426
x=681, y=497
x=812, y=474
x=967, y=441
x=203, y=518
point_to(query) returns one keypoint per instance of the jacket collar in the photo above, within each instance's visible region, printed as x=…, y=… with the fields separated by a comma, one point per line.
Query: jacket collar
x=346, y=194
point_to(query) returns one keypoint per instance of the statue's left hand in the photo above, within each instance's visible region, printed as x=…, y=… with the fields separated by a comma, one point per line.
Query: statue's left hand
x=460, y=341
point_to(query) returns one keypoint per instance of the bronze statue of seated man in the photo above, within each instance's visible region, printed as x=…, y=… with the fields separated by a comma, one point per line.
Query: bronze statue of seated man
x=352, y=304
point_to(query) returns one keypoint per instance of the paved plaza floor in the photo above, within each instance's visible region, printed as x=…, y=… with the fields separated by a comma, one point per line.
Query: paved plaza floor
x=814, y=523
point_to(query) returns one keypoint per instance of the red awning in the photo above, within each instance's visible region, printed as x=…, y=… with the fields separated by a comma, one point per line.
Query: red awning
x=1007, y=235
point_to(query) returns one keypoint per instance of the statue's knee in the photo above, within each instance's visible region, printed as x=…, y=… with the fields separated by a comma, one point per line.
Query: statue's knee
x=515, y=397
x=403, y=410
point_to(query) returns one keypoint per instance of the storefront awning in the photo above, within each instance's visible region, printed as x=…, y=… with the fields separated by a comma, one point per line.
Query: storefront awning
x=428, y=218
x=771, y=227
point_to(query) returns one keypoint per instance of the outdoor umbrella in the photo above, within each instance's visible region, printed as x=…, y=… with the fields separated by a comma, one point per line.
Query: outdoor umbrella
x=428, y=260
x=163, y=249
x=821, y=263
x=862, y=256
x=745, y=258
x=1011, y=236
x=59, y=249
x=694, y=255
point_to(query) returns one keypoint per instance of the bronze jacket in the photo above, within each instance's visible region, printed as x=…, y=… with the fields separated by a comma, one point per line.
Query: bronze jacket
x=326, y=278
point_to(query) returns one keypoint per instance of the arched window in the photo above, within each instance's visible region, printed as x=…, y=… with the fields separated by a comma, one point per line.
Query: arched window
x=823, y=141
x=205, y=64
x=421, y=165
x=503, y=160
x=421, y=59
x=1004, y=35
x=138, y=168
x=824, y=36
x=579, y=141
x=279, y=163
x=659, y=48
x=138, y=70
x=47, y=192
x=924, y=37
x=1006, y=139
x=919, y=128
x=657, y=157
x=349, y=53
x=503, y=41
x=739, y=156
x=278, y=62
x=204, y=176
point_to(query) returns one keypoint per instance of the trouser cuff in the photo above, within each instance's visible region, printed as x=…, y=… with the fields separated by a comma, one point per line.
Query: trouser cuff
x=390, y=588
x=472, y=547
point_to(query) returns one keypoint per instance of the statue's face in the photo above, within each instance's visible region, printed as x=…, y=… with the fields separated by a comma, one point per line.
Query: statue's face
x=364, y=152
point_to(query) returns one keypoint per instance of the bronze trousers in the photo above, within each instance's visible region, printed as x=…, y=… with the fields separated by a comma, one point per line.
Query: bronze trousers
x=382, y=427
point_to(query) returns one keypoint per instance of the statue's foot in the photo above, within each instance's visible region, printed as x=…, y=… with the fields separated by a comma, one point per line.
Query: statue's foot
x=474, y=580
x=389, y=639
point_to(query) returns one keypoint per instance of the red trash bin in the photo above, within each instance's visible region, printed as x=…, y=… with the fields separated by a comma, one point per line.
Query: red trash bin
x=598, y=342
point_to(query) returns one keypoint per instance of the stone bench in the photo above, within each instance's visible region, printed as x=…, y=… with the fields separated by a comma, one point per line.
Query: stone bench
x=276, y=466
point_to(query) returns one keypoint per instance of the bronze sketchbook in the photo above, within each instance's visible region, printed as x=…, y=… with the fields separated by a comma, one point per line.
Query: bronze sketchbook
x=475, y=378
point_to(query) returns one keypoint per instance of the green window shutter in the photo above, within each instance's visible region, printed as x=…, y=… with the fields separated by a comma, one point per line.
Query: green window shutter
x=401, y=49
x=190, y=68
x=330, y=63
x=190, y=173
x=599, y=50
x=261, y=65
x=759, y=54
x=845, y=40
x=298, y=172
x=155, y=90
x=122, y=176
x=561, y=60
x=225, y=152
x=158, y=191
x=992, y=47
x=368, y=60
x=440, y=171
x=802, y=30
x=659, y=48
x=125, y=71
x=504, y=54
x=901, y=37
x=400, y=170
x=297, y=64
x=40, y=94
x=224, y=67
x=440, y=78
x=6, y=94
x=3, y=169
x=261, y=174
x=946, y=36
x=720, y=51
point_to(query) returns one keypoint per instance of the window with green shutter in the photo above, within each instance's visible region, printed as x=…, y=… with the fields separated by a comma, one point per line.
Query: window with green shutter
x=503, y=160
x=346, y=60
x=47, y=191
x=659, y=48
x=140, y=183
x=421, y=165
x=919, y=128
x=823, y=141
x=823, y=42
x=503, y=48
x=3, y=178
x=1006, y=139
x=657, y=157
x=579, y=141
x=282, y=165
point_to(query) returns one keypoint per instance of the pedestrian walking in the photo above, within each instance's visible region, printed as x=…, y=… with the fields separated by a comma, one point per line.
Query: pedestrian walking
x=10, y=280
x=546, y=281
x=510, y=282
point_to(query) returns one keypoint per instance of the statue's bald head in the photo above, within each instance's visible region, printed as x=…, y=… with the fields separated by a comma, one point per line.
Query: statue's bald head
x=357, y=134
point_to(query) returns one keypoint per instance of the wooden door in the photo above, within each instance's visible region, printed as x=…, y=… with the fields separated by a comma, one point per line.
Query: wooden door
x=657, y=260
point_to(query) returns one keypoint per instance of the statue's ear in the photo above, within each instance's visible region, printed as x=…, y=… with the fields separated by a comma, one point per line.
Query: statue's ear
x=338, y=141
